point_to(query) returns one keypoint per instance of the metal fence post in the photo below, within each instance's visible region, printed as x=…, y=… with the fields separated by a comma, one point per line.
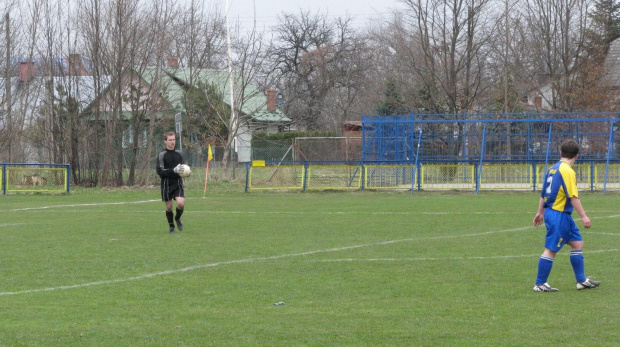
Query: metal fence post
x=305, y=180
x=479, y=171
x=609, y=152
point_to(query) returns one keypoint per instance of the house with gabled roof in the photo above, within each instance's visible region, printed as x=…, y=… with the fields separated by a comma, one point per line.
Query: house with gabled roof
x=258, y=106
x=608, y=83
x=611, y=66
x=258, y=111
x=28, y=87
x=161, y=92
x=29, y=91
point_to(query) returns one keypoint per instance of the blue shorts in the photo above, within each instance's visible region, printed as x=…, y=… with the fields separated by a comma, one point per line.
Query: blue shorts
x=561, y=228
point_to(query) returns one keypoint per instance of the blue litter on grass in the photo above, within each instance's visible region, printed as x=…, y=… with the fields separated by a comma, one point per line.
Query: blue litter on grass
x=279, y=303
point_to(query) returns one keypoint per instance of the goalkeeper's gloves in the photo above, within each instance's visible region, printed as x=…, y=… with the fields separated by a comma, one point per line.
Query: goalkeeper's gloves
x=178, y=169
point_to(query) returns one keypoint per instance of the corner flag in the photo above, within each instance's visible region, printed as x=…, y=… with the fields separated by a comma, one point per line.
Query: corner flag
x=209, y=154
x=209, y=158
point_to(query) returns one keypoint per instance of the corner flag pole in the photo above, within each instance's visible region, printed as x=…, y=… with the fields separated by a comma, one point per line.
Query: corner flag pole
x=209, y=158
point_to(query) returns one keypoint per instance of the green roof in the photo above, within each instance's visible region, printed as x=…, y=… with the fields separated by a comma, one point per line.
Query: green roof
x=254, y=100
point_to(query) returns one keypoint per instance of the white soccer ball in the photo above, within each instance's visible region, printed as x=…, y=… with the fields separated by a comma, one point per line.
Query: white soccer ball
x=186, y=171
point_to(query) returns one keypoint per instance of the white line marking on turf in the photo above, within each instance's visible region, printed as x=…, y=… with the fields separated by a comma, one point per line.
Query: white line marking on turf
x=612, y=216
x=446, y=259
x=239, y=261
x=251, y=260
x=77, y=205
x=353, y=212
x=10, y=225
x=291, y=212
x=599, y=233
x=191, y=268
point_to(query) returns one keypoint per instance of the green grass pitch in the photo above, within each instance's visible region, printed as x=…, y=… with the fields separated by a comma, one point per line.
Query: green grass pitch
x=99, y=268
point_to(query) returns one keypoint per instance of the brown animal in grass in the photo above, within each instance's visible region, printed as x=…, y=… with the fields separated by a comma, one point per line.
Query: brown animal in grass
x=34, y=180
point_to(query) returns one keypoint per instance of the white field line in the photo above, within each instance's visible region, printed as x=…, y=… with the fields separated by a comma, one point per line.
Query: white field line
x=276, y=257
x=495, y=257
x=197, y=267
x=78, y=205
x=285, y=212
x=239, y=261
x=6, y=225
x=251, y=260
x=612, y=216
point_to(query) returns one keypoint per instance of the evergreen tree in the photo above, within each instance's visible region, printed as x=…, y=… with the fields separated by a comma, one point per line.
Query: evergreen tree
x=605, y=26
x=207, y=114
x=392, y=103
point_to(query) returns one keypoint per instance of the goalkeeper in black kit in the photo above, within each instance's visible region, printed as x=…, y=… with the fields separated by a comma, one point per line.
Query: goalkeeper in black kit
x=168, y=168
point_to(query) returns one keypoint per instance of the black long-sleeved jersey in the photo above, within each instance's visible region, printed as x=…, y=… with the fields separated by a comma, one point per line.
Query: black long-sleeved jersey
x=167, y=160
x=171, y=182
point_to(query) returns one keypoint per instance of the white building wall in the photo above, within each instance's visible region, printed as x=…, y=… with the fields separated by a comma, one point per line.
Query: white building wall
x=244, y=144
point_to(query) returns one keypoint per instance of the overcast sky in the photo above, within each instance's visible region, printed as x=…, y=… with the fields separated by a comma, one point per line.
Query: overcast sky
x=363, y=11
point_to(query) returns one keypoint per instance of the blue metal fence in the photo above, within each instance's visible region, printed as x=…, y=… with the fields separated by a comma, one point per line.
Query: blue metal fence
x=465, y=151
x=393, y=138
x=475, y=139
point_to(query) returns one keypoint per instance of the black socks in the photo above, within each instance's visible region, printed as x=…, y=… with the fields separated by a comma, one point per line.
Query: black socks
x=169, y=216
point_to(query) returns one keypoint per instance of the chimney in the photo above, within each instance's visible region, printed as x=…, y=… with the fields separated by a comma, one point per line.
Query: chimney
x=75, y=65
x=173, y=61
x=271, y=99
x=26, y=71
x=538, y=102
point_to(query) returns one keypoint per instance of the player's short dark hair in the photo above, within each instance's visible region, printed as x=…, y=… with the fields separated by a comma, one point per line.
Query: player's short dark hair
x=569, y=149
x=168, y=134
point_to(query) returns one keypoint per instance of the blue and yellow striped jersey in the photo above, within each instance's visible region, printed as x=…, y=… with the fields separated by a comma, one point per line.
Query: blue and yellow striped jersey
x=559, y=187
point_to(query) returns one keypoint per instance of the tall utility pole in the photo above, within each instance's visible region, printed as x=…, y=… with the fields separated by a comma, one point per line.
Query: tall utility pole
x=233, y=118
x=506, y=58
x=7, y=79
x=508, y=128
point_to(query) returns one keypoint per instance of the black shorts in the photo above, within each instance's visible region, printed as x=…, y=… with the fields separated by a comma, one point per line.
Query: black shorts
x=172, y=188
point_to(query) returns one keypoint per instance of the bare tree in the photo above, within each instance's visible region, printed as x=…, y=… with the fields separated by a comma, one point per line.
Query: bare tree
x=247, y=68
x=41, y=22
x=510, y=61
x=143, y=98
x=592, y=85
x=164, y=14
x=558, y=29
x=225, y=102
x=350, y=74
x=448, y=53
x=200, y=43
x=10, y=39
x=199, y=36
x=394, y=55
x=312, y=54
x=122, y=44
x=453, y=36
x=91, y=28
x=510, y=64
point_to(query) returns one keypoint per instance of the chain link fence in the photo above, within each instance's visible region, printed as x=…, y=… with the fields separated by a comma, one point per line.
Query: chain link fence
x=325, y=149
